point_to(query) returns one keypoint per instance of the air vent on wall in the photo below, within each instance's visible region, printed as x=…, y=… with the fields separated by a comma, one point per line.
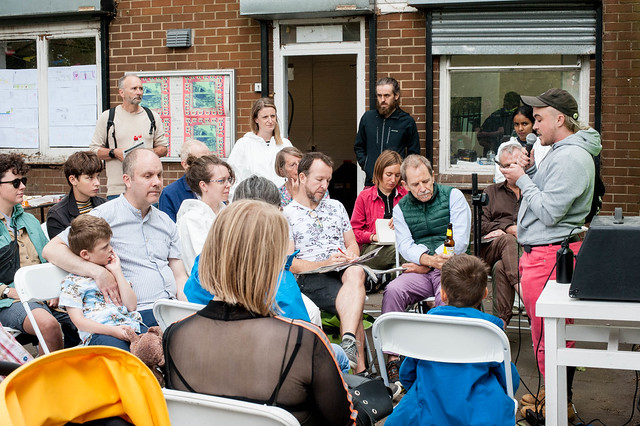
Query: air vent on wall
x=179, y=38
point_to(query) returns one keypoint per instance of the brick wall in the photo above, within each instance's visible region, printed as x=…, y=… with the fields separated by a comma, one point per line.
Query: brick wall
x=224, y=39
x=621, y=105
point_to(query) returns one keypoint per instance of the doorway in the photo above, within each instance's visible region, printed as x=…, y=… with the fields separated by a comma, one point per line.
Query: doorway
x=319, y=85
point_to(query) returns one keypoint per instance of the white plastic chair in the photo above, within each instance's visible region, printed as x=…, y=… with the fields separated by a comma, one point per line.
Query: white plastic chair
x=168, y=311
x=442, y=339
x=36, y=283
x=188, y=409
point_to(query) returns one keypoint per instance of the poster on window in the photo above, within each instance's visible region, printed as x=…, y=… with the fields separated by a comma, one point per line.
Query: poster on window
x=193, y=105
x=73, y=101
x=19, y=108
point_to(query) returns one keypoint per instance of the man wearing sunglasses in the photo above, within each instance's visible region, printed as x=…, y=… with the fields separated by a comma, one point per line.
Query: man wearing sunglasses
x=21, y=244
x=500, y=231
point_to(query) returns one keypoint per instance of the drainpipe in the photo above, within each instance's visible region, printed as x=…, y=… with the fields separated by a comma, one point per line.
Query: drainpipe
x=264, y=57
x=428, y=144
x=373, y=58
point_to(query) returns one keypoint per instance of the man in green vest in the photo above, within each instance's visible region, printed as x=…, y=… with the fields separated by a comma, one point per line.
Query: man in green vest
x=420, y=221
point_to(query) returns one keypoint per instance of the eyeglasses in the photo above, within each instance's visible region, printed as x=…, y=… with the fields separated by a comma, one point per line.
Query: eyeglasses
x=230, y=180
x=16, y=182
x=504, y=166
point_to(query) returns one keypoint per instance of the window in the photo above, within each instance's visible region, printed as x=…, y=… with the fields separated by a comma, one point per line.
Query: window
x=49, y=88
x=480, y=93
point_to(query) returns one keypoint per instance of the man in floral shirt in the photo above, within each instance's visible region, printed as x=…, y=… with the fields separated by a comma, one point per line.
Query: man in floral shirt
x=321, y=231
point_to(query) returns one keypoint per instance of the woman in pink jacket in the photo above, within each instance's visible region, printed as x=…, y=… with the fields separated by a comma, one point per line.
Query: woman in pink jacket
x=377, y=202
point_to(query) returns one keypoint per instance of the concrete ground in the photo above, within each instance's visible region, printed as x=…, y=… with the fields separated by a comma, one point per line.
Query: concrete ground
x=601, y=397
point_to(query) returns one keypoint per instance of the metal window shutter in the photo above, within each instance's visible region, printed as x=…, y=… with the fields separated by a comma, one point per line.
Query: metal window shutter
x=494, y=32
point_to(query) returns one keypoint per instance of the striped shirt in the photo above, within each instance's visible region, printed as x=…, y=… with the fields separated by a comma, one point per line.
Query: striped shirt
x=144, y=245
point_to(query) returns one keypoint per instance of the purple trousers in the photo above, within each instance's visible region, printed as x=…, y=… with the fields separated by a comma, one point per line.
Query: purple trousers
x=410, y=288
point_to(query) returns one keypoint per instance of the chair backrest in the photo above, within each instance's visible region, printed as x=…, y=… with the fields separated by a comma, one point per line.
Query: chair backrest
x=187, y=409
x=39, y=282
x=441, y=338
x=82, y=384
x=168, y=311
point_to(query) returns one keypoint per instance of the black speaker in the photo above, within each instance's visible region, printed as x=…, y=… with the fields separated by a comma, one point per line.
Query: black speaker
x=606, y=267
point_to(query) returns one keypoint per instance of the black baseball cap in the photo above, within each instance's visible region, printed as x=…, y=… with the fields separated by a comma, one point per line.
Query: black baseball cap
x=557, y=98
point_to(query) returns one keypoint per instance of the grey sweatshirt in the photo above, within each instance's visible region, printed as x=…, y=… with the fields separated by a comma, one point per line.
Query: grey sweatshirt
x=557, y=197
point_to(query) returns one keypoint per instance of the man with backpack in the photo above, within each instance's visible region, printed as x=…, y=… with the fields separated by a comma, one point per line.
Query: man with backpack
x=556, y=199
x=123, y=127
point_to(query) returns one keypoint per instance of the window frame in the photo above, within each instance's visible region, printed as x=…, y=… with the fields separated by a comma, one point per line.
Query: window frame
x=444, y=147
x=42, y=33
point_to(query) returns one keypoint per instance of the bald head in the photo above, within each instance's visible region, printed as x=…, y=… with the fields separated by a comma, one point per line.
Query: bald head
x=142, y=178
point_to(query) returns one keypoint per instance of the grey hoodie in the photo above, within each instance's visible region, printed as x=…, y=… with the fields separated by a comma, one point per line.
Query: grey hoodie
x=558, y=196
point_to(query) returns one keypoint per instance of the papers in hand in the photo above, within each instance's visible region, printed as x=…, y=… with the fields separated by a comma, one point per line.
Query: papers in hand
x=128, y=150
x=386, y=235
x=357, y=261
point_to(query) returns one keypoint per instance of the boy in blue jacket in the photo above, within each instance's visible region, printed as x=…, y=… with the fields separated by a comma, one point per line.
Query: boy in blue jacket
x=440, y=393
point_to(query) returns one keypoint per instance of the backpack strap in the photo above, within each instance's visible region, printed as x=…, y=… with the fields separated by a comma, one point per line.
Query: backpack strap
x=152, y=128
x=112, y=114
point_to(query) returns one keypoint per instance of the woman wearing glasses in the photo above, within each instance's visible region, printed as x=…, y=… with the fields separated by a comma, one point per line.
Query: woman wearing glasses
x=21, y=243
x=210, y=178
x=255, y=152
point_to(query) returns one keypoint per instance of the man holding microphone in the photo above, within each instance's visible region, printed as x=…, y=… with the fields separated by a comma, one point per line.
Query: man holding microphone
x=556, y=198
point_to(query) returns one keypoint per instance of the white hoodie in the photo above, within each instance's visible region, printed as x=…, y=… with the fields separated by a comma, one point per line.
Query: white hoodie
x=251, y=155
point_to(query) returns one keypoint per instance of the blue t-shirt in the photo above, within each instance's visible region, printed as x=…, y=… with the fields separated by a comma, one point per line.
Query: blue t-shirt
x=440, y=393
x=288, y=296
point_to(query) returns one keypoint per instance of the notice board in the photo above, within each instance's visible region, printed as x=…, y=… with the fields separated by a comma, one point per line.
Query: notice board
x=193, y=105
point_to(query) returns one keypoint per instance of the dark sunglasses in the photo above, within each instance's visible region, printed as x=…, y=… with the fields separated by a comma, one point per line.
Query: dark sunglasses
x=16, y=182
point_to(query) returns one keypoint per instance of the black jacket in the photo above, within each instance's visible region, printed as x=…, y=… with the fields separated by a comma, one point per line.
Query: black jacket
x=61, y=215
x=398, y=132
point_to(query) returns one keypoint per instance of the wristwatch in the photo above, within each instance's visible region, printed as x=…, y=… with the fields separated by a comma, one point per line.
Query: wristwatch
x=5, y=293
x=112, y=154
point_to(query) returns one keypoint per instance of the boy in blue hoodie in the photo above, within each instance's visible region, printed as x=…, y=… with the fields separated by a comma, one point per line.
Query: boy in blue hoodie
x=441, y=393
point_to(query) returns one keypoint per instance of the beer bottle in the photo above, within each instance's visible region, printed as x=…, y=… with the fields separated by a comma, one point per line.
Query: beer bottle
x=449, y=244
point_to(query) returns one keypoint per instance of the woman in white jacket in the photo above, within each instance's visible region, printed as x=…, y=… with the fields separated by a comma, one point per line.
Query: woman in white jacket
x=255, y=152
x=210, y=178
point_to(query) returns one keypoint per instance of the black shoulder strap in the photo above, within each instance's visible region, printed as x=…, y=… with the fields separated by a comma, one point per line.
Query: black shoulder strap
x=285, y=370
x=112, y=114
x=169, y=365
x=598, y=192
x=152, y=128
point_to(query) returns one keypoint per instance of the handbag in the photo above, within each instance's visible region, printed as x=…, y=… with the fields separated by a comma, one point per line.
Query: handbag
x=9, y=260
x=371, y=399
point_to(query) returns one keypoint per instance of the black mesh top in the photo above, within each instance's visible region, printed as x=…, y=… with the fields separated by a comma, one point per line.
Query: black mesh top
x=227, y=351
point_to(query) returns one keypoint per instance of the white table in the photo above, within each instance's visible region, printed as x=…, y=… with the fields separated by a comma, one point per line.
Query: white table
x=554, y=305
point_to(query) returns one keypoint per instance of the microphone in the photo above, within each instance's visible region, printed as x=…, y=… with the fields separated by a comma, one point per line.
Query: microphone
x=531, y=139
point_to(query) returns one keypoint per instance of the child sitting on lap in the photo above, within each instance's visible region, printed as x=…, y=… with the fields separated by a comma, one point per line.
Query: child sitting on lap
x=98, y=322
x=440, y=393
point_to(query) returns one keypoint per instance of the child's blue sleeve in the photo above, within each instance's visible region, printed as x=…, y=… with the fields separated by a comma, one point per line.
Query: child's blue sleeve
x=408, y=372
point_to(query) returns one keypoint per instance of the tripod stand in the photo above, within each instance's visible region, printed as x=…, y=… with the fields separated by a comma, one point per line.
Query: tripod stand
x=478, y=200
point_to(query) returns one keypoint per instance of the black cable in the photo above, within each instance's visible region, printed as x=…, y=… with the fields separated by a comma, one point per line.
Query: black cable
x=291, y=111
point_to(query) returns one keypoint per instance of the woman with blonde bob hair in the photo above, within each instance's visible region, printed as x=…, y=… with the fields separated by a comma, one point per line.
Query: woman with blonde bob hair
x=237, y=347
x=255, y=152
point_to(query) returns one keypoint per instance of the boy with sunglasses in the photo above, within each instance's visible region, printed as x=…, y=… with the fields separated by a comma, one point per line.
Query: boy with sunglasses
x=21, y=243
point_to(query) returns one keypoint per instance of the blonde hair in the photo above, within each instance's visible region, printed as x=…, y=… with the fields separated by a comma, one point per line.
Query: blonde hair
x=243, y=255
x=280, y=159
x=257, y=106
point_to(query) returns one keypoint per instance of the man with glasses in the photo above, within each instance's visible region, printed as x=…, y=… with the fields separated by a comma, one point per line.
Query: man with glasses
x=421, y=219
x=321, y=233
x=500, y=231
x=145, y=239
x=21, y=244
